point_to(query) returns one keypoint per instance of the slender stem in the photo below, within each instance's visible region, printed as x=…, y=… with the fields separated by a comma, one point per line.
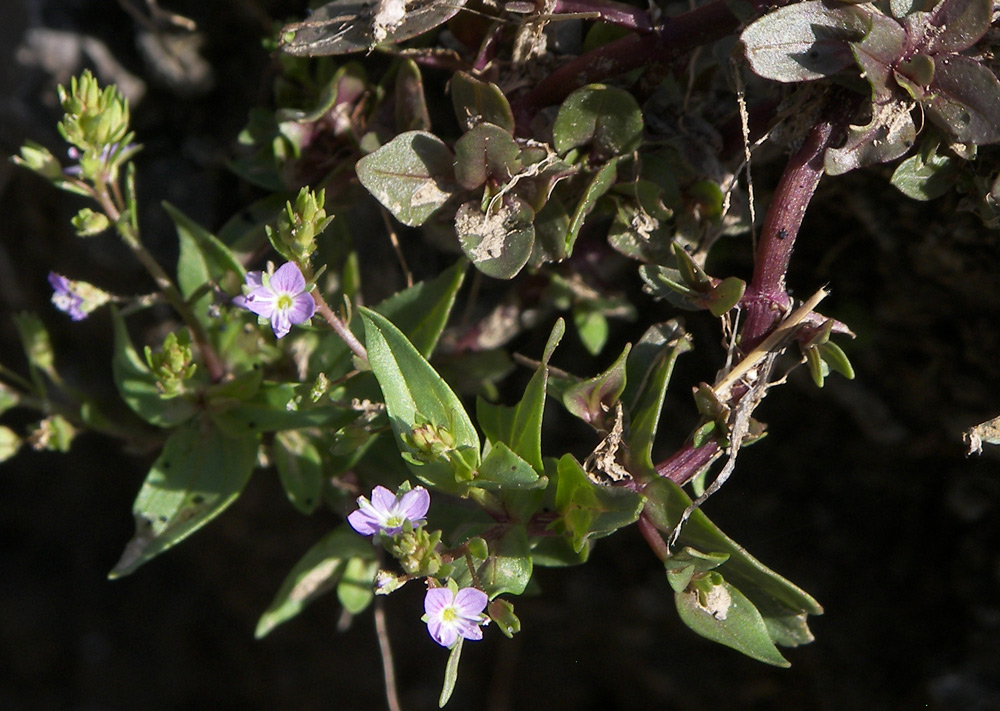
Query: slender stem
x=653, y=538
x=613, y=13
x=766, y=299
x=686, y=462
x=339, y=326
x=388, y=669
x=214, y=366
x=677, y=36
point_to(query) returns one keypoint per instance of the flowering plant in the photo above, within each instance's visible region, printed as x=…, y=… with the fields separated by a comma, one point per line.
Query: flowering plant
x=565, y=203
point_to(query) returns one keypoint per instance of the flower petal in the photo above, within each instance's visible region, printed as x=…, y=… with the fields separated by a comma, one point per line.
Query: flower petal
x=436, y=600
x=470, y=602
x=414, y=504
x=288, y=278
x=383, y=500
x=443, y=634
x=280, y=323
x=364, y=522
x=302, y=309
x=261, y=301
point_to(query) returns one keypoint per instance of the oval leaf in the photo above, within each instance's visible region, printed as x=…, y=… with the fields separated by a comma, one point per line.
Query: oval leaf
x=606, y=117
x=412, y=176
x=499, y=241
x=478, y=102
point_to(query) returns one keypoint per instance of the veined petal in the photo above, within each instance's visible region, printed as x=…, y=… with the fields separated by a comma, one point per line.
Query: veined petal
x=436, y=600
x=288, y=278
x=302, y=309
x=414, y=504
x=383, y=499
x=470, y=602
x=279, y=322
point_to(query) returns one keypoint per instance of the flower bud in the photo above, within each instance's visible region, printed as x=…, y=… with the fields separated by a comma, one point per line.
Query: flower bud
x=173, y=365
x=88, y=223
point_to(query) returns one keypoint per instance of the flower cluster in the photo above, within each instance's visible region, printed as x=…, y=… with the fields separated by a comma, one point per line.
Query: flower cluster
x=450, y=612
x=281, y=297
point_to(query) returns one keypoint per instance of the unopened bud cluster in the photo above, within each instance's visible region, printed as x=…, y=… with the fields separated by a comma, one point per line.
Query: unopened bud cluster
x=173, y=365
x=299, y=225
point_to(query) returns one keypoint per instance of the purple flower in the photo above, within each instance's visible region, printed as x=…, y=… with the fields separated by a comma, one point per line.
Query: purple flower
x=387, y=513
x=280, y=297
x=450, y=615
x=65, y=297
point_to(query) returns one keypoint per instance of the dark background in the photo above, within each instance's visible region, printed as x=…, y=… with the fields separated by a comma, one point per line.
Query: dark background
x=861, y=494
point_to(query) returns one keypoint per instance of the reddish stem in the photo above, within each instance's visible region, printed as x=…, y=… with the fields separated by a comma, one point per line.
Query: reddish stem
x=678, y=35
x=766, y=300
x=687, y=461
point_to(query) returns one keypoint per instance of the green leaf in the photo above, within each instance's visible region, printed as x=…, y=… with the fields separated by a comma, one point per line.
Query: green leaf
x=925, y=177
x=964, y=100
x=651, y=391
x=415, y=395
x=589, y=510
x=412, y=176
x=486, y=152
x=203, y=259
x=300, y=468
x=139, y=388
x=682, y=567
x=501, y=470
x=199, y=473
x=723, y=614
x=952, y=26
x=508, y=569
x=774, y=596
x=275, y=407
x=888, y=135
x=451, y=673
x=804, y=41
x=605, y=117
x=37, y=345
x=356, y=588
x=411, y=103
x=520, y=427
x=592, y=399
x=725, y=295
x=10, y=443
x=478, y=102
x=317, y=572
x=498, y=241
x=602, y=181
x=592, y=327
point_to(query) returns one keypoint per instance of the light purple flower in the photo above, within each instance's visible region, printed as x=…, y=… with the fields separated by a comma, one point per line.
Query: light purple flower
x=281, y=297
x=450, y=615
x=387, y=513
x=65, y=297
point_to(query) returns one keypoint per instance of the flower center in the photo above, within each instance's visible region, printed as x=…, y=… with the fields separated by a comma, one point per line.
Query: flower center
x=284, y=301
x=449, y=614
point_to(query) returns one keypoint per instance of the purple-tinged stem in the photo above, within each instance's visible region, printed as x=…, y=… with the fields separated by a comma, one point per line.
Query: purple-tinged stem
x=678, y=35
x=613, y=13
x=766, y=299
x=687, y=461
x=653, y=538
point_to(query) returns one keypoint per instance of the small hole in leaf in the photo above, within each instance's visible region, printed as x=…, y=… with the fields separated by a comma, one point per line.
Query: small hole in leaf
x=163, y=519
x=251, y=424
x=197, y=499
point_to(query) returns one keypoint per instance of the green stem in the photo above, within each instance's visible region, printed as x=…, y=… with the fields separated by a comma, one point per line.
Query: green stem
x=213, y=364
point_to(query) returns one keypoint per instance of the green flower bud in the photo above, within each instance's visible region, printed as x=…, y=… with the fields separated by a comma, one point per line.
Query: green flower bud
x=37, y=158
x=299, y=225
x=94, y=118
x=54, y=434
x=416, y=551
x=89, y=223
x=173, y=365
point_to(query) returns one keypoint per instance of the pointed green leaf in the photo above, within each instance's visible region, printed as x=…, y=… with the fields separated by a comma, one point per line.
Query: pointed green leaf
x=412, y=176
x=508, y=569
x=723, y=614
x=649, y=397
x=774, y=596
x=503, y=470
x=356, y=588
x=317, y=572
x=199, y=473
x=411, y=103
x=964, y=100
x=451, y=673
x=416, y=395
x=593, y=398
x=589, y=510
x=602, y=181
x=300, y=468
